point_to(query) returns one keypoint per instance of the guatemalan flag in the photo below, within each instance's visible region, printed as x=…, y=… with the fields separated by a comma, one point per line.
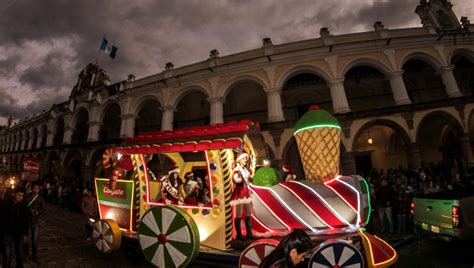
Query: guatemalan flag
x=110, y=51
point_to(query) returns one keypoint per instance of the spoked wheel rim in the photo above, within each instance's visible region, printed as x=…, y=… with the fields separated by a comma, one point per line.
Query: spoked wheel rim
x=253, y=255
x=106, y=235
x=168, y=237
x=336, y=253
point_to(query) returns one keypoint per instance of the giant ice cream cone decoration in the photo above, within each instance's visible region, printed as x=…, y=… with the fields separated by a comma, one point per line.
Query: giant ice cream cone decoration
x=318, y=137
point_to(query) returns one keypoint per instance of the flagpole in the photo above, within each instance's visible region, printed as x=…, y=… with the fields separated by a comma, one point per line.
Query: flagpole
x=98, y=52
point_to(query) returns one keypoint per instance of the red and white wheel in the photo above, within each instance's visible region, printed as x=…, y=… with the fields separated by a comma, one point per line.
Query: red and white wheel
x=107, y=235
x=253, y=255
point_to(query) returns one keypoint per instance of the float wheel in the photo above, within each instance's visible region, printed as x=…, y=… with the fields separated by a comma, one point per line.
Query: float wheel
x=168, y=237
x=336, y=253
x=107, y=235
x=253, y=255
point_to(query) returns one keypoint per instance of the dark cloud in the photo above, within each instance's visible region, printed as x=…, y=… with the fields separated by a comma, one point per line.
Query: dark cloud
x=44, y=44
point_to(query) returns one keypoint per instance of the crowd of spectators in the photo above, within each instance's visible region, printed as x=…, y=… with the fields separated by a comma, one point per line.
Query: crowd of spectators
x=392, y=192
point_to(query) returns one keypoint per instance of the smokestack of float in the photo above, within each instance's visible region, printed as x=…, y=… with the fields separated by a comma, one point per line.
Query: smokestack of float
x=318, y=135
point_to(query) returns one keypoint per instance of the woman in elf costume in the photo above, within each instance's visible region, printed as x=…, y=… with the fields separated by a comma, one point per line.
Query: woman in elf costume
x=240, y=198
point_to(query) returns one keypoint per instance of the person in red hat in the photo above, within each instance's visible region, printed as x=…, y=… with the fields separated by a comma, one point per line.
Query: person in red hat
x=240, y=198
x=172, y=187
x=288, y=173
x=191, y=189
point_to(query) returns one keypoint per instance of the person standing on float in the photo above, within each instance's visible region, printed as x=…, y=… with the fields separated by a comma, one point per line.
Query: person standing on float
x=240, y=198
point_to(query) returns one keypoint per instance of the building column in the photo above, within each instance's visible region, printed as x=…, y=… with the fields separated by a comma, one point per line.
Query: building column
x=449, y=81
x=274, y=106
x=39, y=141
x=67, y=137
x=399, y=91
x=414, y=159
x=338, y=96
x=50, y=138
x=30, y=143
x=167, y=117
x=348, y=163
x=217, y=110
x=466, y=149
x=127, y=128
x=94, y=127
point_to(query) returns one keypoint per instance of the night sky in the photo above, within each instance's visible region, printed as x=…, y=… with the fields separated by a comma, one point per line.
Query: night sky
x=44, y=44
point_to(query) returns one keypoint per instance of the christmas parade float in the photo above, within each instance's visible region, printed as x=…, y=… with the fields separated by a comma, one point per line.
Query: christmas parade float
x=208, y=191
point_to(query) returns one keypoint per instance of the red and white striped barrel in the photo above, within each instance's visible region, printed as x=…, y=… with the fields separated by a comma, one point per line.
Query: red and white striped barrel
x=339, y=205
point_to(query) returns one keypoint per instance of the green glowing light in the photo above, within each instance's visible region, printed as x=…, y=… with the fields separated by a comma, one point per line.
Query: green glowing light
x=316, y=126
x=368, y=200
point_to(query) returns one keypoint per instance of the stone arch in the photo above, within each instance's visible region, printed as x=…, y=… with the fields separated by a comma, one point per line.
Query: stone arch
x=365, y=61
x=73, y=164
x=431, y=136
x=239, y=79
x=467, y=53
x=149, y=116
x=77, y=114
x=451, y=119
x=59, y=126
x=137, y=105
x=44, y=133
x=303, y=87
x=26, y=138
x=183, y=92
x=52, y=164
x=305, y=68
x=463, y=62
x=367, y=87
x=245, y=99
x=95, y=163
x=389, y=148
x=192, y=109
x=422, y=79
x=384, y=122
x=80, y=125
x=110, y=119
x=105, y=107
x=436, y=63
x=34, y=132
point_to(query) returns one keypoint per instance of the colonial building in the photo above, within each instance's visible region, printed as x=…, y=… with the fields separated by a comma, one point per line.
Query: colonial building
x=402, y=96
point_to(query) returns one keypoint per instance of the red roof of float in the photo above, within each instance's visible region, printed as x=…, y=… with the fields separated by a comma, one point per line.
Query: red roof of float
x=218, y=136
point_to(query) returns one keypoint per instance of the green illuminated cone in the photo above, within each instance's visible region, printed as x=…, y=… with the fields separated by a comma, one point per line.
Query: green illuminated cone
x=318, y=135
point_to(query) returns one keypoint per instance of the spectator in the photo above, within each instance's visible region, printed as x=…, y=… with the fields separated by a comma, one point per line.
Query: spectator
x=384, y=199
x=401, y=206
x=15, y=218
x=89, y=207
x=35, y=208
x=290, y=252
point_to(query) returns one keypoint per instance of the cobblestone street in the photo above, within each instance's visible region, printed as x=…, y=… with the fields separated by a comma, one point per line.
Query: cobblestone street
x=62, y=243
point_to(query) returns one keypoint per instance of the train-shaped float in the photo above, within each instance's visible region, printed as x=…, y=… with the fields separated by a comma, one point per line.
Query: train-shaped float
x=205, y=189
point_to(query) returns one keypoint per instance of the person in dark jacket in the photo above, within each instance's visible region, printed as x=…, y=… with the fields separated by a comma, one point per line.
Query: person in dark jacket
x=384, y=199
x=35, y=206
x=15, y=219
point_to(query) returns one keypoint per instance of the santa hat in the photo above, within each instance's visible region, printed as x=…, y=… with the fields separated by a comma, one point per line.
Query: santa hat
x=288, y=168
x=241, y=156
x=174, y=169
x=188, y=174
